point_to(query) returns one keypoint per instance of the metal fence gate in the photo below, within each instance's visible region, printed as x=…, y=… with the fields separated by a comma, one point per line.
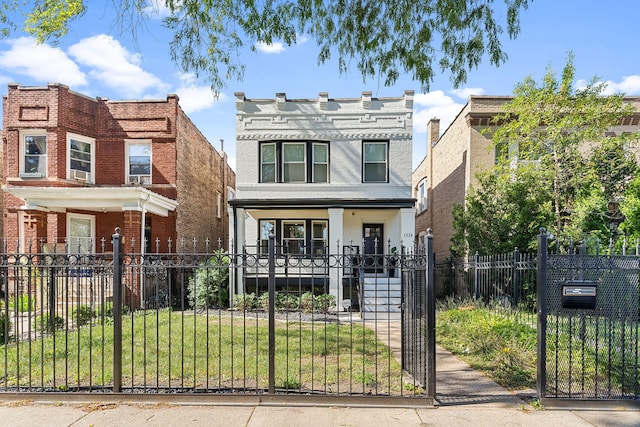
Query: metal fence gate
x=125, y=322
x=588, y=337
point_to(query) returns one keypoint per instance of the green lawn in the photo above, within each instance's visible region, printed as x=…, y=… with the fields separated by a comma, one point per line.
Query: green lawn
x=195, y=351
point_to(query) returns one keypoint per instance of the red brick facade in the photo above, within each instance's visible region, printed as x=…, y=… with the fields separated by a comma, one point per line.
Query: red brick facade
x=186, y=171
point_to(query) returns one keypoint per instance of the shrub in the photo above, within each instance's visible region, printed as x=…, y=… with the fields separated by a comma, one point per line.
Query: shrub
x=323, y=303
x=43, y=323
x=244, y=302
x=306, y=302
x=263, y=301
x=288, y=302
x=22, y=303
x=208, y=287
x=82, y=315
x=5, y=328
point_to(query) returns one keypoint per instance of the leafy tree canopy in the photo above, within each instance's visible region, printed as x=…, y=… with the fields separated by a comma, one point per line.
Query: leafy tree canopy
x=383, y=37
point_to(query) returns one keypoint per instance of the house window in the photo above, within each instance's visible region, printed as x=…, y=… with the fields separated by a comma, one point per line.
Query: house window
x=80, y=233
x=33, y=157
x=218, y=204
x=138, y=162
x=320, y=162
x=294, y=162
x=319, y=236
x=375, y=162
x=266, y=227
x=268, y=162
x=422, y=196
x=81, y=157
x=295, y=236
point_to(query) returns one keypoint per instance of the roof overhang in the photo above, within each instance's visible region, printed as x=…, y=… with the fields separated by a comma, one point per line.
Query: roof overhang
x=100, y=199
x=323, y=203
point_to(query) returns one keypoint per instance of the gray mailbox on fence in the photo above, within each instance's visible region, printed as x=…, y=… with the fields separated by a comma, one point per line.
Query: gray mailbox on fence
x=579, y=294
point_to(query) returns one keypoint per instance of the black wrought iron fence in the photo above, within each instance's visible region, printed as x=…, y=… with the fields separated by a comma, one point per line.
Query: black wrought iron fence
x=213, y=322
x=505, y=282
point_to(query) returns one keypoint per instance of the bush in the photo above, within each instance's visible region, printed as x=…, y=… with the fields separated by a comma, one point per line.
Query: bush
x=244, y=302
x=5, y=328
x=44, y=324
x=82, y=315
x=306, y=302
x=208, y=287
x=21, y=303
x=323, y=303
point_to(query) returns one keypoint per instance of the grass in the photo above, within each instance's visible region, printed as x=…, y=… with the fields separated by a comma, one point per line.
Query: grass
x=589, y=355
x=495, y=344
x=168, y=349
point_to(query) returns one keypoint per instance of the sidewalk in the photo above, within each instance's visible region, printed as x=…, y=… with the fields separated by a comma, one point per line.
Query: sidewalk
x=465, y=398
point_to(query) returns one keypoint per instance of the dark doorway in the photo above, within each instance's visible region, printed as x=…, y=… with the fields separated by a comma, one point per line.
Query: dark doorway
x=372, y=235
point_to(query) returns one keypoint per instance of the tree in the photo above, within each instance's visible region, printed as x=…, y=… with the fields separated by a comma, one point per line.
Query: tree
x=505, y=211
x=551, y=123
x=383, y=37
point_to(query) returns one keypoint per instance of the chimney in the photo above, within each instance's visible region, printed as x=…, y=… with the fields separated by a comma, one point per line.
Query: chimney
x=433, y=132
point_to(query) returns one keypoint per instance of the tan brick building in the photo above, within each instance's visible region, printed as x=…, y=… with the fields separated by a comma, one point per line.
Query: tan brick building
x=454, y=158
x=76, y=167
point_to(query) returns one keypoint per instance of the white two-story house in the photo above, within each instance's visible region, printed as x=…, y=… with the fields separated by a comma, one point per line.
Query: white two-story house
x=325, y=176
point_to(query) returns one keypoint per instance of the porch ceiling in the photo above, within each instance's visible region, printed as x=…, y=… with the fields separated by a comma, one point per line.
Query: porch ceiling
x=101, y=199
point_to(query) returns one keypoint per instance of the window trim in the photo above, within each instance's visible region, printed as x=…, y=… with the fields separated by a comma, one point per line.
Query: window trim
x=279, y=162
x=421, y=200
x=90, y=179
x=365, y=163
x=127, y=167
x=23, y=134
x=71, y=245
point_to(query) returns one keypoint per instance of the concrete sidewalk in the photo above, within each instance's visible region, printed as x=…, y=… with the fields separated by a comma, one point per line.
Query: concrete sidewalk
x=465, y=398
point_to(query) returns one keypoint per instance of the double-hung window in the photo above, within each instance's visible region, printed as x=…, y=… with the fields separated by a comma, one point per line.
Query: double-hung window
x=422, y=196
x=80, y=232
x=138, y=162
x=293, y=237
x=375, y=161
x=33, y=155
x=80, y=157
x=319, y=236
x=294, y=161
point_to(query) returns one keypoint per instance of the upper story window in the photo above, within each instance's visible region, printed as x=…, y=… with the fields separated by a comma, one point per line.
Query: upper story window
x=33, y=154
x=294, y=162
x=80, y=158
x=422, y=196
x=375, y=161
x=138, y=162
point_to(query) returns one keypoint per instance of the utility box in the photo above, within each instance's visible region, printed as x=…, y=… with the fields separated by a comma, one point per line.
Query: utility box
x=579, y=294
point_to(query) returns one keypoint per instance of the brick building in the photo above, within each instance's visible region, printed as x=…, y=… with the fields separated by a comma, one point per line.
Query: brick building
x=454, y=158
x=75, y=168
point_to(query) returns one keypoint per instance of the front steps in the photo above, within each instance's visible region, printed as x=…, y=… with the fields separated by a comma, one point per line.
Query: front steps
x=380, y=298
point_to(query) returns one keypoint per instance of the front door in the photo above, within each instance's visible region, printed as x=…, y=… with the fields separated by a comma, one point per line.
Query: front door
x=372, y=235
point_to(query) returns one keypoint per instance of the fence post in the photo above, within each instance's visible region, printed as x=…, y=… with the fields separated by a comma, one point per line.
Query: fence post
x=431, y=319
x=541, y=297
x=516, y=277
x=476, y=276
x=272, y=316
x=117, y=310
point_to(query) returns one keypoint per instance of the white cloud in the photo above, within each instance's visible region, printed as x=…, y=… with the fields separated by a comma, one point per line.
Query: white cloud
x=467, y=92
x=276, y=47
x=113, y=65
x=41, y=62
x=434, y=105
x=630, y=85
x=194, y=98
x=157, y=9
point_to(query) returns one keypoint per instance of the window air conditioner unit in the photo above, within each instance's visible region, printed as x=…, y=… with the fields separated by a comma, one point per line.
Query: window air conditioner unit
x=80, y=175
x=139, y=179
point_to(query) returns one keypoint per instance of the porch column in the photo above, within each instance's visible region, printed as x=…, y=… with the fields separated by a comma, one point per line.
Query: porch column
x=336, y=240
x=132, y=292
x=407, y=226
x=237, y=230
x=34, y=229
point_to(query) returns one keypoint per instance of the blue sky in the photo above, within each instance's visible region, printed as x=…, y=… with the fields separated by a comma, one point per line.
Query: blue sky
x=97, y=60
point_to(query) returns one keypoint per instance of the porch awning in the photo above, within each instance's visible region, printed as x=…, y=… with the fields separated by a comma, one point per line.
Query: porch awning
x=99, y=199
